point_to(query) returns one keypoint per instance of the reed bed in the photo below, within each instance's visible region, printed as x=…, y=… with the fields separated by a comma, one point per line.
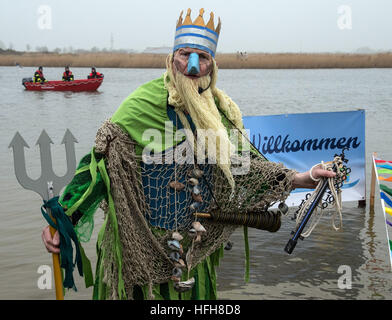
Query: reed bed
x=224, y=60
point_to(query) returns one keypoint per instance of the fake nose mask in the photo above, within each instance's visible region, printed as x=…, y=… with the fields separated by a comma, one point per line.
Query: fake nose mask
x=193, y=63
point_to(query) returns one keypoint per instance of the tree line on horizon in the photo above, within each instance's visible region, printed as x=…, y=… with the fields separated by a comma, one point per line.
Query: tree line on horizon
x=95, y=49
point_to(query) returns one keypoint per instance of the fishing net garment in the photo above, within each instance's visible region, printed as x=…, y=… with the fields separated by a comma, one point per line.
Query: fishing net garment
x=261, y=186
x=145, y=254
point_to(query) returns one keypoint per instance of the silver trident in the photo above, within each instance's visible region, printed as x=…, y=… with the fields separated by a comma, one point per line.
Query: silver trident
x=48, y=182
x=48, y=185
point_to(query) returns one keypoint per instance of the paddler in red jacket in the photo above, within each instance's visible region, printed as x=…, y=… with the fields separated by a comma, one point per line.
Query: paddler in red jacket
x=67, y=75
x=39, y=75
x=94, y=74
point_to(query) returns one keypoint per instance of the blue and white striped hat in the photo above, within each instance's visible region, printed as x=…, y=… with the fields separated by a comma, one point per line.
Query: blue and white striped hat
x=197, y=34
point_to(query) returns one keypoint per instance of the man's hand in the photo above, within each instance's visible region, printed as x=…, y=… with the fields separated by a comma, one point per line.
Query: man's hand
x=51, y=244
x=304, y=180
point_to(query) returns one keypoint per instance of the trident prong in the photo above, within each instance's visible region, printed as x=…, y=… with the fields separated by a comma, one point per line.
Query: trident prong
x=18, y=144
x=69, y=141
x=48, y=185
x=40, y=185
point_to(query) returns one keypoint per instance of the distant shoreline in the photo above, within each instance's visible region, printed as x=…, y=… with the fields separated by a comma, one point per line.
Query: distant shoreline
x=224, y=60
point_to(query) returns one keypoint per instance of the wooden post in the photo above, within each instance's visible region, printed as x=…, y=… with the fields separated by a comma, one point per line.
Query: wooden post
x=373, y=184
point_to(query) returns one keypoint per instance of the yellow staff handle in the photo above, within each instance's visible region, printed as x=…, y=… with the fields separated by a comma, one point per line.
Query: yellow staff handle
x=58, y=278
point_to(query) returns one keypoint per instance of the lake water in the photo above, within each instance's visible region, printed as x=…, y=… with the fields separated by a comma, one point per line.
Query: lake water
x=311, y=272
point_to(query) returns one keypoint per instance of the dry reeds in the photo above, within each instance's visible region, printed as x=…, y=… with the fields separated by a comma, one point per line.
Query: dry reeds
x=99, y=60
x=304, y=61
x=225, y=61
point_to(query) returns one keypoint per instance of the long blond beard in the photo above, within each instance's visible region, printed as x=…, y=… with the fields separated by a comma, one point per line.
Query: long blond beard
x=184, y=96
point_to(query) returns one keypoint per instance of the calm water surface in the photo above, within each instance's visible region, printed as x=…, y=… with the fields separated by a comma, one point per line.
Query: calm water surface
x=311, y=272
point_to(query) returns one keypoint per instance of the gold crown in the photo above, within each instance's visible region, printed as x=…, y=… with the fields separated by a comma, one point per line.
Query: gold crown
x=199, y=21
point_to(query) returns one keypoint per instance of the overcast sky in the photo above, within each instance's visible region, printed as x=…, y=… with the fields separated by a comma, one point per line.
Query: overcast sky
x=247, y=25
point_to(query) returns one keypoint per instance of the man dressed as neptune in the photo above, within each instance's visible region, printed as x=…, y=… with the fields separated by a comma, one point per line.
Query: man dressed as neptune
x=166, y=155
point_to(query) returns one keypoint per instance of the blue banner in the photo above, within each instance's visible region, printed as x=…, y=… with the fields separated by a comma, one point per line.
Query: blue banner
x=302, y=140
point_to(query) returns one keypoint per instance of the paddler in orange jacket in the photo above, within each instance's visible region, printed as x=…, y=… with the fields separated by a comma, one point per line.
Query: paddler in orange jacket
x=94, y=74
x=39, y=75
x=67, y=75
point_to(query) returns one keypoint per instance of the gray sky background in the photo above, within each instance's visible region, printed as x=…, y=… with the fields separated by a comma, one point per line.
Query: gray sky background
x=247, y=25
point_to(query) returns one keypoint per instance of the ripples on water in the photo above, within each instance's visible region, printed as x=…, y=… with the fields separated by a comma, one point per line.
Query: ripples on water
x=311, y=272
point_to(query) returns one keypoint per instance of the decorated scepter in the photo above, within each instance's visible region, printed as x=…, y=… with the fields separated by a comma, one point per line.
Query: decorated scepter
x=48, y=186
x=312, y=202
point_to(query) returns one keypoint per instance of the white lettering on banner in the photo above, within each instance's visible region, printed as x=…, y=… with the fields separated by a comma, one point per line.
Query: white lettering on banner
x=277, y=144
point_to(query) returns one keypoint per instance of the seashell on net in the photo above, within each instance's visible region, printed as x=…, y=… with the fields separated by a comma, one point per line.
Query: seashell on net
x=192, y=232
x=193, y=181
x=198, y=237
x=177, y=236
x=283, y=208
x=197, y=173
x=180, y=263
x=195, y=205
x=196, y=190
x=174, y=256
x=183, y=286
x=198, y=226
x=177, y=272
x=174, y=245
x=178, y=186
x=197, y=197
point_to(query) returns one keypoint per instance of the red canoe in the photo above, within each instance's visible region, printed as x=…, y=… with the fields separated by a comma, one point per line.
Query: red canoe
x=76, y=85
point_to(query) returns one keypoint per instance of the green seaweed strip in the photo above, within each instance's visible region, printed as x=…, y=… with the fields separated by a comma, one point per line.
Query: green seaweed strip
x=209, y=284
x=246, y=253
x=101, y=286
x=211, y=261
x=201, y=280
x=167, y=291
x=173, y=294
x=113, y=218
x=93, y=173
x=82, y=169
x=87, y=271
x=194, y=294
x=99, y=292
x=384, y=188
x=156, y=290
x=216, y=256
